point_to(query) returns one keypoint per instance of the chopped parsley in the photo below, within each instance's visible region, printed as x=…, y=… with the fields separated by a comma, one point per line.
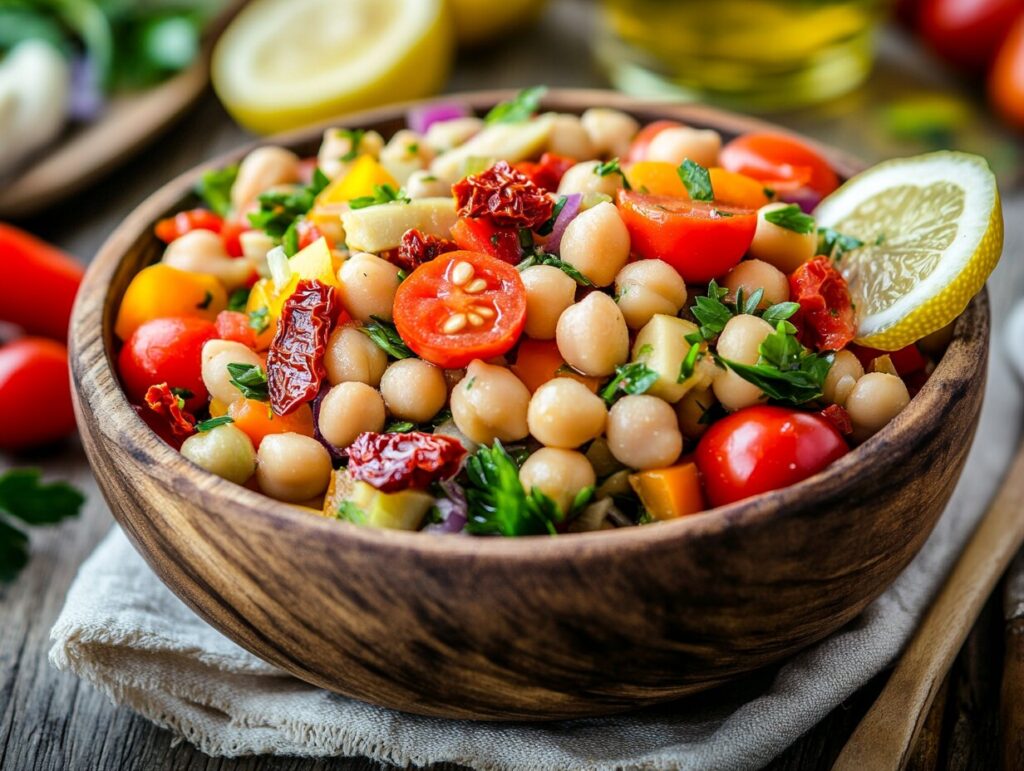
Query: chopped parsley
x=259, y=319
x=612, y=167
x=355, y=139
x=785, y=370
x=543, y=258
x=280, y=209
x=633, y=378
x=835, y=244
x=712, y=313
x=384, y=334
x=780, y=312
x=25, y=498
x=696, y=180
x=250, y=379
x=381, y=194
x=400, y=427
x=239, y=299
x=212, y=423
x=791, y=217
x=518, y=109
x=690, y=361
x=214, y=187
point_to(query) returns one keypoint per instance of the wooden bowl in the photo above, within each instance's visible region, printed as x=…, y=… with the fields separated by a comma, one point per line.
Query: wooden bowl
x=530, y=628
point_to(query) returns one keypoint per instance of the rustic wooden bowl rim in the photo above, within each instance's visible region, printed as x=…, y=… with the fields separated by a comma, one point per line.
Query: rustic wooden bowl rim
x=926, y=410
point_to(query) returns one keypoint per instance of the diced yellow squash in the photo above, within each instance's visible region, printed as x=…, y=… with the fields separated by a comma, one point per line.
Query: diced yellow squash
x=360, y=180
x=661, y=345
x=378, y=228
x=502, y=141
x=403, y=510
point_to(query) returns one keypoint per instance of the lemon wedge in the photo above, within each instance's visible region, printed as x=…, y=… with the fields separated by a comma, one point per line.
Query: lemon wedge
x=286, y=63
x=932, y=229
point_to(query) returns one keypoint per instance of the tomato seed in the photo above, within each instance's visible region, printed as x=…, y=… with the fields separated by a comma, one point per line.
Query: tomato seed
x=476, y=286
x=454, y=323
x=484, y=311
x=461, y=273
x=475, y=320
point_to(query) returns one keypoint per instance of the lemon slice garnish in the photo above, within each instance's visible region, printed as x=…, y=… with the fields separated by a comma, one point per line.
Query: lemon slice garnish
x=932, y=229
x=287, y=63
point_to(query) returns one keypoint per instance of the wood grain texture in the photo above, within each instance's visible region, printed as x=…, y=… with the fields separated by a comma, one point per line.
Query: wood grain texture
x=534, y=628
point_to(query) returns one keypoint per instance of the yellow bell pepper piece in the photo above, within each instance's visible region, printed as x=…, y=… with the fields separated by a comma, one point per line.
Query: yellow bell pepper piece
x=359, y=181
x=260, y=305
x=161, y=291
x=315, y=262
x=668, y=493
x=656, y=178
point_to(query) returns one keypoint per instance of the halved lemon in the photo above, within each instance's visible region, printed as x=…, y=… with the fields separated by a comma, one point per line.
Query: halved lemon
x=287, y=63
x=932, y=228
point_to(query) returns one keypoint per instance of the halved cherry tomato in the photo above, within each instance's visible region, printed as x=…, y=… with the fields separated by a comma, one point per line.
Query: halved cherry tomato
x=1006, y=78
x=35, y=393
x=473, y=234
x=764, y=448
x=538, y=361
x=167, y=351
x=640, y=143
x=482, y=319
x=548, y=171
x=232, y=325
x=825, y=318
x=967, y=33
x=257, y=420
x=780, y=162
x=183, y=222
x=701, y=240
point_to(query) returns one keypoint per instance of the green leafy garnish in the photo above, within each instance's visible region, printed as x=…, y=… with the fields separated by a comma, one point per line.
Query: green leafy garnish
x=696, y=180
x=280, y=209
x=350, y=512
x=381, y=194
x=543, y=258
x=785, y=370
x=384, y=334
x=835, y=244
x=355, y=138
x=549, y=225
x=400, y=427
x=259, y=319
x=239, y=299
x=692, y=357
x=214, y=188
x=711, y=312
x=212, y=423
x=791, y=217
x=250, y=379
x=780, y=312
x=633, y=378
x=612, y=167
x=518, y=109
x=24, y=497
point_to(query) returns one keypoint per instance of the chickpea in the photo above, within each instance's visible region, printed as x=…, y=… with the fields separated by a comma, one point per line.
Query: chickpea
x=414, y=390
x=255, y=245
x=368, y=286
x=423, y=184
x=610, y=131
x=842, y=376
x=592, y=335
x=786, y=249
x=549, y=291
x=202, y=251
x=215, y=357
x=739, y=342
x=647, y=287
x=675, y=145
x=751, y=275
x=601, y=458
x=292, y=467
x=690, y=410
x=490, y=403
x=405, y=153
x=565, y=413
x=876, y=399
x=337, y=145
x=448, y=428
x=643, y=432
x=583, y=178
x=260, y=170
x=568, y=137
x=351, y=356
x=224, y=451
x=559, y=474
x=349, y=409
x=447, y=134
x=596, y=243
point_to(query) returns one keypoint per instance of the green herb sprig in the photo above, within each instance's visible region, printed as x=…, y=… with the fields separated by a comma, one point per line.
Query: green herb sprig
x=697, y=180
x=633, y=378
x=835, y=244
x=208, y=425
x=24, y=497
x=280, y=211
x=381, y=194
x=384, y=334
x=791, y=217
x=612, y=167
x=543, y=258
x=518, y=109
x=785, y=370
x=250, y=379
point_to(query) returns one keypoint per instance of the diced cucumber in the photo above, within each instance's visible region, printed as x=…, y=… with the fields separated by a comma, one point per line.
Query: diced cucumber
x=378, y=228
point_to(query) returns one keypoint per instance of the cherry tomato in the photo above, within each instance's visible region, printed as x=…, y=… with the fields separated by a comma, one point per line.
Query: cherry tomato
x=436, y=297
x=480, y=235
x=39, y=284
x=184, y=222
x=231, y=234
x=907, y=360
x=35, y=393
x=232, y=325
x=699, y=239
x=781, y=163
x=548, y=171
x=640, y=143
x=764, y=448
x=825, y=318
x=168, y=351
x=1006, y=79
x=967, y=33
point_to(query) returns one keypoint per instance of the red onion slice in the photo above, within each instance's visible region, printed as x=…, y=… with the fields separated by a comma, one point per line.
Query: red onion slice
x=423, y=116
x=565, y=216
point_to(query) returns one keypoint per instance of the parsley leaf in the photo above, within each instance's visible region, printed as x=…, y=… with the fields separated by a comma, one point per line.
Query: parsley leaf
x=239, y=299
x=250, y=379
x=518, y=109
x=835, y=244
x=633, y=378
x=259, y=319
x=212, y=423
x=711, y=312
x=214, y=187
x=785, y=370
x=381, y=194
x=542, y=258
x=696, y=180
x=689, y=362
x=791, y=217
x=384, y=334
x=280, y=209
x=780, y=312
x=24, y=497
x=355, y=138
x=612, y=167
x=400, y=427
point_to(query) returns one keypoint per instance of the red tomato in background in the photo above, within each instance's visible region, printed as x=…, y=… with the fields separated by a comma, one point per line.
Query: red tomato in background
x=428, y=298
x=1006, y=79
x=702, y=240
x=638, y=148
x=764, y=448
x=967, y=33
x=548, y=171
x=35, y=393
x=480, y=235
x=231, y=234
x=166, y=351
x=39, y=284
x=825, y=318
x=780, y=162
x=183, y=222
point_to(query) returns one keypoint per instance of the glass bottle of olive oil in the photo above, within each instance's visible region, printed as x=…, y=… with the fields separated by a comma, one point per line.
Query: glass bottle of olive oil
x=756, y=55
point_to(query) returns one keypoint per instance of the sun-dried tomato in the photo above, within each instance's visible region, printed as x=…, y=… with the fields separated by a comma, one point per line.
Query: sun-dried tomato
x=825, y=319
x=295, y=361
x=169, y=405
x=418, y=247
x=503, y=195
x=839, y=418
x=393, y=462
x=548, y=171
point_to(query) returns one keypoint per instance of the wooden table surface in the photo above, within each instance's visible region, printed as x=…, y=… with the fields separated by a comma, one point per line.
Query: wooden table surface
x=50, y=720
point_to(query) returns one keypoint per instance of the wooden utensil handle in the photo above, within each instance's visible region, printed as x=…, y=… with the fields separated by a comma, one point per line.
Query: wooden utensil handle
x=885, y=737
x=1011, y=702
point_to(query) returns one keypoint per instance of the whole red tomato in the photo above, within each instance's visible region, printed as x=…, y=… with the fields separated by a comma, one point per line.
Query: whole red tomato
x=764, y=448
x=1006, y=80
x=167, y=351
x=35, y=393
x=783, y=163
x=967, y=33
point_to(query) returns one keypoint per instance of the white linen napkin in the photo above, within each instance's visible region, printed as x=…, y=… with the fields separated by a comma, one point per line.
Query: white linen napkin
x=123, y=631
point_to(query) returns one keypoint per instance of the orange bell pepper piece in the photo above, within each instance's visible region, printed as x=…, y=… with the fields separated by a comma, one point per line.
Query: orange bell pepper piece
x=735, y=189
x=539, y=361
x=257, y=421
x=668, y=493
x=161, y=291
